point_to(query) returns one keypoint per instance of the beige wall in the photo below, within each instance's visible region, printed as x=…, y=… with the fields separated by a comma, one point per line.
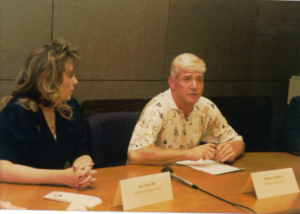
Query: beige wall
x=251, y=48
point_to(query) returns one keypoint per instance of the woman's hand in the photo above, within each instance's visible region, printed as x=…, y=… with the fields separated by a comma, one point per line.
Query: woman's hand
x=80, y=178
x=80, y=165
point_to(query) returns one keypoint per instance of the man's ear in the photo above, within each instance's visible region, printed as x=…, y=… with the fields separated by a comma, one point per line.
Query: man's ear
x=171, y=82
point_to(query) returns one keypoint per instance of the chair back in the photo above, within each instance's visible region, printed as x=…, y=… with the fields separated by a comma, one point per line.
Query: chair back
x=90, y=107
x=109, y=134
x=250, y=117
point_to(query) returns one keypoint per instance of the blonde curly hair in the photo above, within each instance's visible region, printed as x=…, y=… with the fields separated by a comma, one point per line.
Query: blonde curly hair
x=38, y=83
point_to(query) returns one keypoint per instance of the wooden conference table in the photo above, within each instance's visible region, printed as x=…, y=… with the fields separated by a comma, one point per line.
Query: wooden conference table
x=185, y=199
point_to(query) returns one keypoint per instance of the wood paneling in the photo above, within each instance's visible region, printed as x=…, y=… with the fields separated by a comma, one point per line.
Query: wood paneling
x=24, y=26
x=277, y=48
x=251, y=48
x=220, y=32
x=239, y=40
x=118, y=39
x=92, y=90
x=5, y=89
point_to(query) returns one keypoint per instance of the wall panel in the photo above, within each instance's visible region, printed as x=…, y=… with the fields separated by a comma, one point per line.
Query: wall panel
x=5, y=89
x=118, y=39
x=240, y=40
x=93, y=90
x=24, y=26
x=277, y=48
x=220, y=32
x=251, y=48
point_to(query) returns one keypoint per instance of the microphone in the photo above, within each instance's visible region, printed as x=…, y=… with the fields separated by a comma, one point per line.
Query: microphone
x=169, y=169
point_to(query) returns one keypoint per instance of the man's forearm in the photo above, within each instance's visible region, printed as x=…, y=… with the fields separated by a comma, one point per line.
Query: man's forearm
x=238, y=147
x=152, y=155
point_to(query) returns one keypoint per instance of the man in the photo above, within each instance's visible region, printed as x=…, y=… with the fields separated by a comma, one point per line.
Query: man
x=291, y=138
x=173, y=124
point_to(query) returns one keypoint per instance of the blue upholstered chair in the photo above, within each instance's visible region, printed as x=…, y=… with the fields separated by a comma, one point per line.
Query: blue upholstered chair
x=109, y=136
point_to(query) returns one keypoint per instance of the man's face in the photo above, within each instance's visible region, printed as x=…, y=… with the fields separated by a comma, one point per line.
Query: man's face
x=187, y=87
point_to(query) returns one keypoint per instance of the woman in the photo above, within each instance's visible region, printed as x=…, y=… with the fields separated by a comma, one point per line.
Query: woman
x=41, y=124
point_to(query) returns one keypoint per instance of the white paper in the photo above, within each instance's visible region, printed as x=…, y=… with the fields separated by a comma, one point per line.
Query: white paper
x=76, y=205
x=210, y=166
x=87, y=200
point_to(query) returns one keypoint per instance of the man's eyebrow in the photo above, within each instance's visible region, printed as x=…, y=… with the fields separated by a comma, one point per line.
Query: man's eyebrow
x=189, y=75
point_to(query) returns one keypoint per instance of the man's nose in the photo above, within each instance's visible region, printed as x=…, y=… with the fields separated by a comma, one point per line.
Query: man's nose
x=193, y=84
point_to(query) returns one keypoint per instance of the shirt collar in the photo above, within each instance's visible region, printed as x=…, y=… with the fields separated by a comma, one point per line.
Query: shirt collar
x=170, y=99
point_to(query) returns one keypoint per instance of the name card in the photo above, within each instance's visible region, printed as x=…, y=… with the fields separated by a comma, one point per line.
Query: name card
x=145, y=190
x=272, y=183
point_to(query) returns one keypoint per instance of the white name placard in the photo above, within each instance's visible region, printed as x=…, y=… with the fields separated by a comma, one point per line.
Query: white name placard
x=272, y=183
x=145, y=190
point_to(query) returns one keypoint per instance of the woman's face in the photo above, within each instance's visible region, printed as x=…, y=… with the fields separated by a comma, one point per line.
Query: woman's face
x=69, y=81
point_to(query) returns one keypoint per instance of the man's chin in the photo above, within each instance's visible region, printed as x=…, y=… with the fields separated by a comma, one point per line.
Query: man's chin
x=194, y=97
x=193, y=100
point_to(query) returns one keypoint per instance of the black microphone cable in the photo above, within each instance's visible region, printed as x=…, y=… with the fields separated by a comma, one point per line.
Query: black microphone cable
x=169, y=169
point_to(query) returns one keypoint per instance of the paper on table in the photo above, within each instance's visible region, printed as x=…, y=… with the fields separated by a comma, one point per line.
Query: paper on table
x=67, y=197
x=210, y=166
x=76, y=205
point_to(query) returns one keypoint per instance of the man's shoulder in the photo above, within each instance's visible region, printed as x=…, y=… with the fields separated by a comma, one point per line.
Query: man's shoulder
x=295, y=100
x=207, y=106
x=203, y=101
x=159, y=101
x=294, y=107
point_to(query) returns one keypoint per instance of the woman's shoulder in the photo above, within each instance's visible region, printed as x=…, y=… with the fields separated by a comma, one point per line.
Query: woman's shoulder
x=13, y=113
x=12, y=107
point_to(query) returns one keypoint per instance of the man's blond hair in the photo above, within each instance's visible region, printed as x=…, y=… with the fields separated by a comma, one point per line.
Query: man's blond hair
x=187, y=62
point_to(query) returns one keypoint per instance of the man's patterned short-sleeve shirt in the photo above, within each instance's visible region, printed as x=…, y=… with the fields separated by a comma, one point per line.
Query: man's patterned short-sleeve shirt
x=163, y=124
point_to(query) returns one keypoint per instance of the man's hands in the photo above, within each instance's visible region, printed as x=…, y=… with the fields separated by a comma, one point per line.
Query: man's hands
x=225, y=152
x=206, y=151
x=153, y=155
x=230, y=151
x=80, y=175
